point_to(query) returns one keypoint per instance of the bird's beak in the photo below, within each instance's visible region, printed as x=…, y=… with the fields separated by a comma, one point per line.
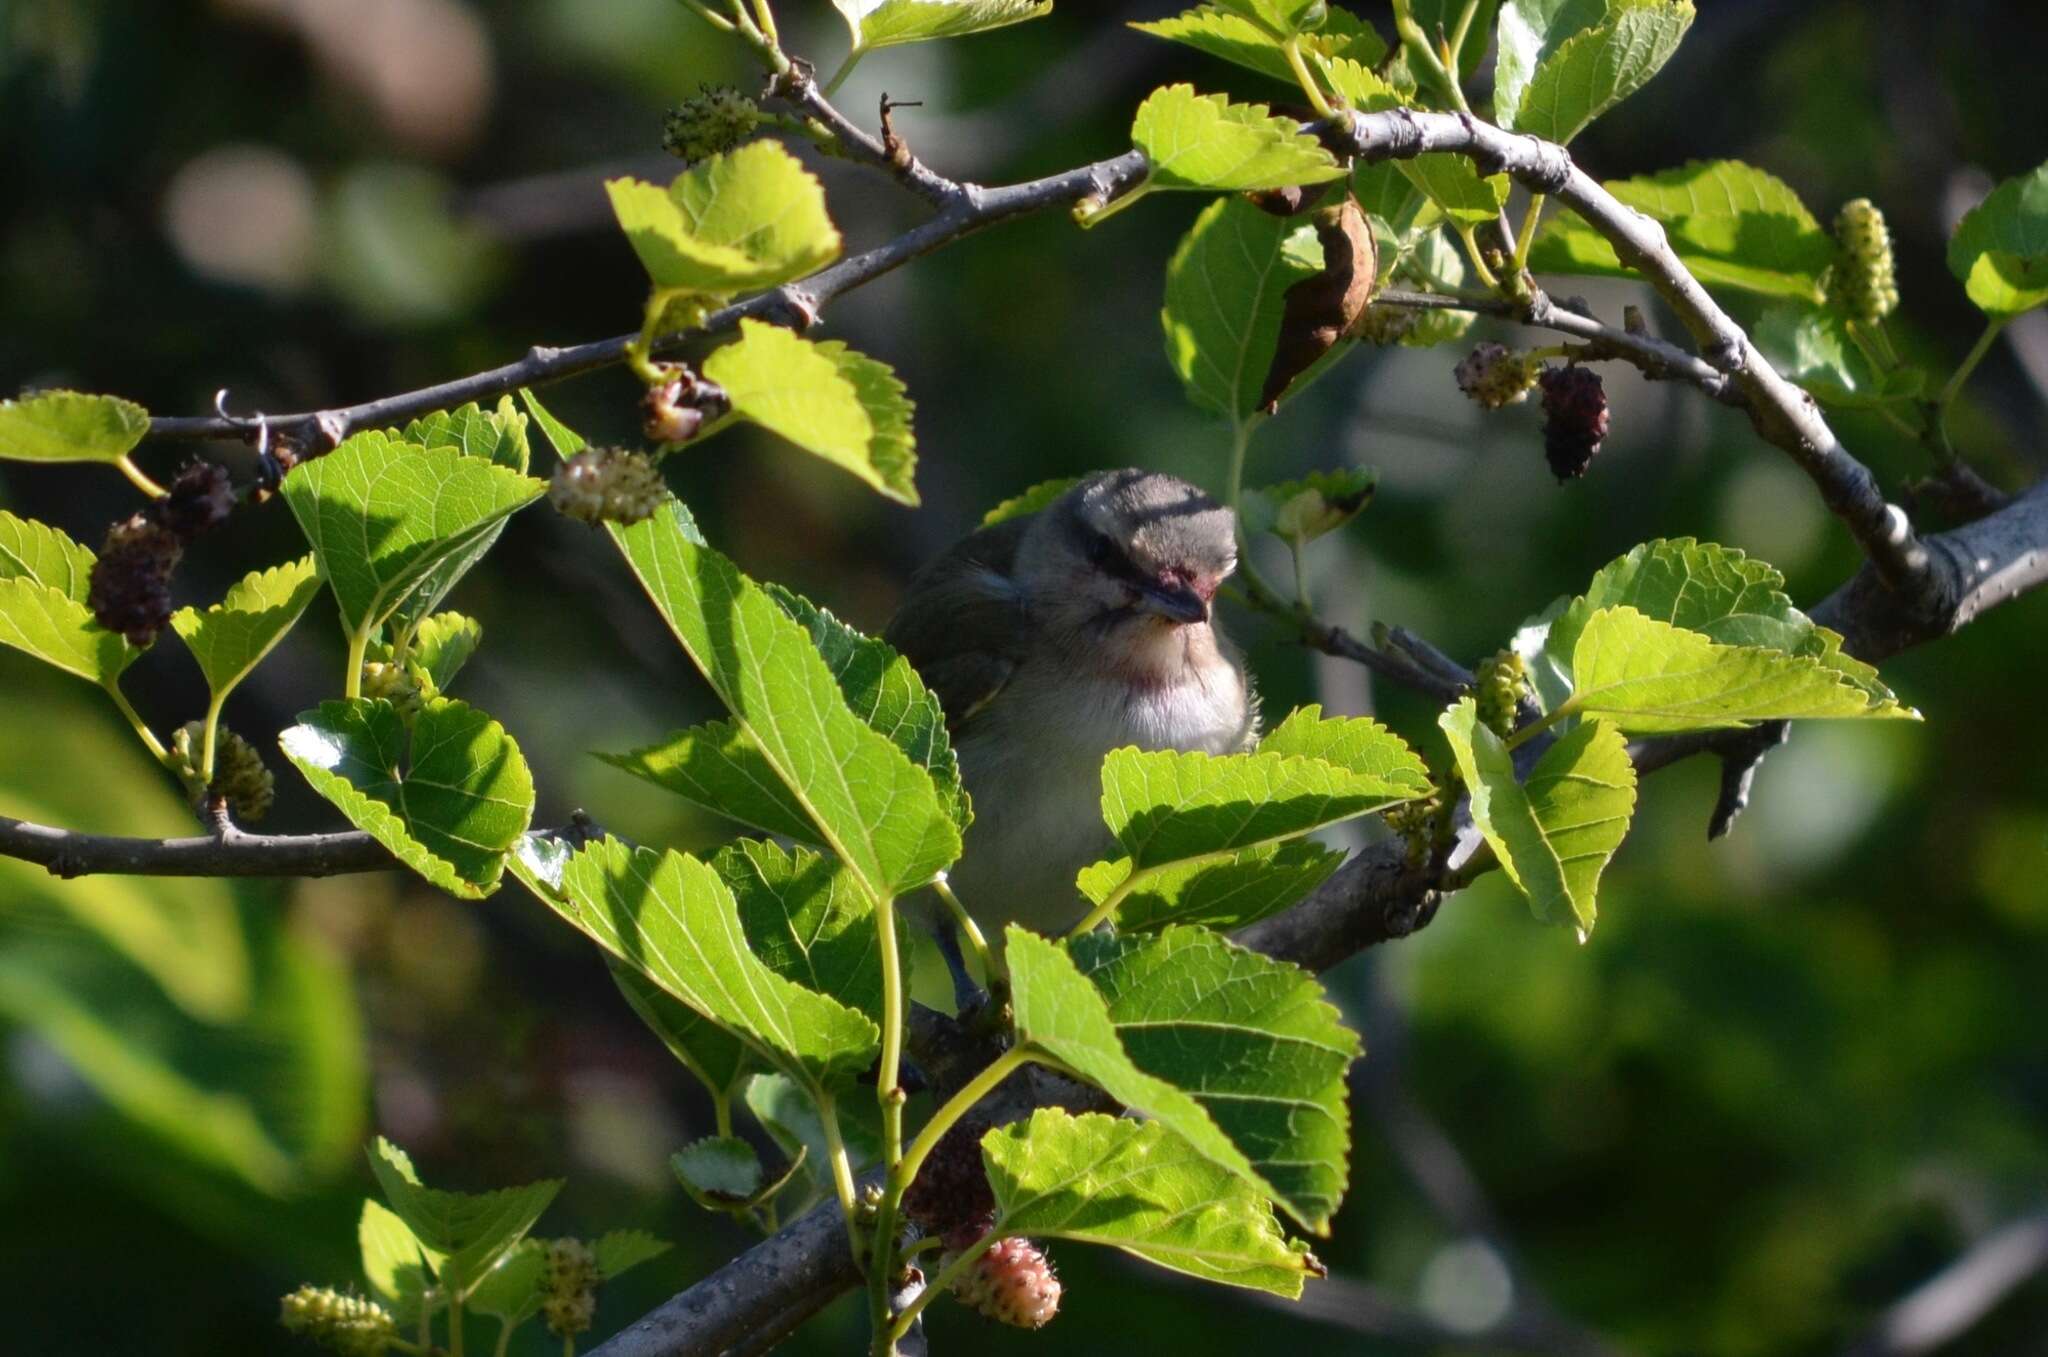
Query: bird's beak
x=1173, y=600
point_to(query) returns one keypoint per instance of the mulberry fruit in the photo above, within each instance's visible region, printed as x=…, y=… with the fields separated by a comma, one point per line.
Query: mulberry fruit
x=1574, y=419
x=1495, y=375
x=1012, y=1283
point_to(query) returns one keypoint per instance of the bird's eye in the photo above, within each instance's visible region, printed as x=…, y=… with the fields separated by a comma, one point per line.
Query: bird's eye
x=1101, y=549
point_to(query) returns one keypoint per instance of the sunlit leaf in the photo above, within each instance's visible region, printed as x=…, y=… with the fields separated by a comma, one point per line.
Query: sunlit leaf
x=70, y=426
x=806, y=918
x=231, y=638
x=449, y=796
x=1812, y=346
x=1138, y=1187
x=2000, y=247
x=1203, y=141
x=885, y=23
x=828, y=400
x=57, y=629
x=878, y=811
x=1452, y=182
x=1583, y=71
x=39, y=552
x=1238, y=890
x=750, y=218
x=674, y=920
x=1253, y=1039
x=1232, y=37
x=718, y=1170
x=1033, y=499
x=1298, y=512
x=1554, y=834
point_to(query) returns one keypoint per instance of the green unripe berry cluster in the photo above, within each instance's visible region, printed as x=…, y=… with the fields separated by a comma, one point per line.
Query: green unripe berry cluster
x=1495, y=375
x=608, y=485
x=1864, y=282
x=239, y=774
x=709, y=123
x=570, y=1300
x=1414, y=821
x=1501, y=682
x=395, y=685
x=350, y=1325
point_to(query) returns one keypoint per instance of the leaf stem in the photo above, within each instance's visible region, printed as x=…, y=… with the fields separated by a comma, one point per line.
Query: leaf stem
x=710, y=16
x=1471, y=243
x=838, y=77
x=977, y=942
x=1316, y=98
x=842, y=1168
x=1535, y=728
x=1459, y=34
x=135, y=473
x=142, y=731
x=1527, y=236
x=941, y=1283
x=208, y=742
x=358, y=648
x=454, y=1325
x=1992, y=328
x=1417, y=43
x=766, y=18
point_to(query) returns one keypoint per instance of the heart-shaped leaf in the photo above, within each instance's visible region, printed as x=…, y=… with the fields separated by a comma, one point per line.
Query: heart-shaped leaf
x=1138, y=1187
x=59, y=630
x=70, y=426
x=382, y=515
x=1203, y=141
x=449, y=797
x=231, y=638
x=2000, y=247
x=1237, y=39
x=39, y=552
x=1591, y=69
x=1554, y=834
x=393, y=1264
x=879, y=812
x=885, y=23
x=748, y=219
x=828, y=400
x=673, y=919
x=1253, y=1039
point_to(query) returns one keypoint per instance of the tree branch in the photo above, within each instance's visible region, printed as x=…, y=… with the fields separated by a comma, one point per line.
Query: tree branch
x=1953, y=1300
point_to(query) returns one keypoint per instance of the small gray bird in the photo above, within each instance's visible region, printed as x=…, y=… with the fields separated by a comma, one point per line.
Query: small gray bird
x=1056, y=637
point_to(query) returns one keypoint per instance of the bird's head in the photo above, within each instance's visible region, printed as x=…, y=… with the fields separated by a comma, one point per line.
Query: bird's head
x=1124, y=566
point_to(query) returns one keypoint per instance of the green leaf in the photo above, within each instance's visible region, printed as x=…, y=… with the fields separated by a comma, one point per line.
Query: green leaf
x=464, y=1233
x=622, y=1250
x=564, y=440
x=1298, y=512
x=231, y=638
x=1060, y=1013
x=885, y=692
x=1812, y=346
x=806, y=918
x=1714, y=590
x=1239, y=890
x=57, y=629
x=1732, y=224
x=1233, y=38
x=384, y=515
x=498, y=438
x=1650, y=677
x=1281, y=18
x=719, y=1059
x=718, y=1171
x=442, y=644
x=674, y=920
x=1452, y=182
x=1596, y=68
x=1226, y=290
x=392, y=1262
x=828, y=400
x=2000, y=247
x=1357, y=744
x=1430, y=15
x=70, y=426
x=1032, y=500
x=748, y=219
x=449, y=797
x=513, y=1291
x=1138, y=1187
x=717, y=766
x=1527, y=31
x=36, y=551
x=1252, y=1038
x=885, y=23
x=1203, y=141
x=879, y=812
x=1555, y=834
x=1165, y=805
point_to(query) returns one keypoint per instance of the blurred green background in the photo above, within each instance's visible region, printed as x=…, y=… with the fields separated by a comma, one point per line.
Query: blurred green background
x=1792, y=1075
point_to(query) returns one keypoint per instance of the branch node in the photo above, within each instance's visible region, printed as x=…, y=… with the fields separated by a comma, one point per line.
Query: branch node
x=1740, y=760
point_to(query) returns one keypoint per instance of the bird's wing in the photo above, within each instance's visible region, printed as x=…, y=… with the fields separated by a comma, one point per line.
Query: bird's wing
x=963, y=624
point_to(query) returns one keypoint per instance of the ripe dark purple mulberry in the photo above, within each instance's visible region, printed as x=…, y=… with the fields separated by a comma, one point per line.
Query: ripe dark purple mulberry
x=131, y=581
x=951, y=1188
x=1574, y=419
x=199, y=501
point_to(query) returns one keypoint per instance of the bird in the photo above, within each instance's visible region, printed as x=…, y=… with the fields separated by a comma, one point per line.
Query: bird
x=1052, y=638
